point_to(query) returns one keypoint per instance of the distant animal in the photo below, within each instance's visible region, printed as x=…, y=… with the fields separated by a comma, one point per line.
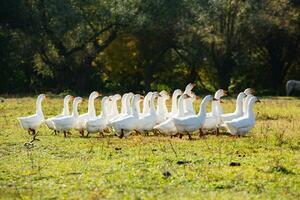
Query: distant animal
x=292, y=85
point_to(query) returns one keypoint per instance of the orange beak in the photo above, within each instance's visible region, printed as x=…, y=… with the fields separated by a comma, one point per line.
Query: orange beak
x=225, y=92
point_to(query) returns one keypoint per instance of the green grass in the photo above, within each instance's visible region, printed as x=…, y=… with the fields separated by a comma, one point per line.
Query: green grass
x=141, y=167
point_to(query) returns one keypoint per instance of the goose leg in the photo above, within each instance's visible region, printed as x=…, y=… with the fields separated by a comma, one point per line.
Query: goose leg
x=122, y=134
x=31, y=131
x=65, y=134
x=190, y=137
x=55, y=132
x=87, y=135
x=138, y=132
x=217, y=132
x=81, y=133
x=201, y=134
x=180, y=135
x=101, y=134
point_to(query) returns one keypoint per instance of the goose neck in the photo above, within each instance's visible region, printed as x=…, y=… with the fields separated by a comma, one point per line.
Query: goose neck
x=250, y=113
x=152, y=105
x=66, y=107
x=91, y=107
x=104, y=107
x=180, y=111
x=161, y=105
x=239, y=105
x=39, y=110
x=174, y=103
x=123, y=103
x=75, y=109
x=135, y=108
x=202, y=110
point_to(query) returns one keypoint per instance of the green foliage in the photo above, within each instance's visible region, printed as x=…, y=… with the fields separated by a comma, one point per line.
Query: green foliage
x=146, y=45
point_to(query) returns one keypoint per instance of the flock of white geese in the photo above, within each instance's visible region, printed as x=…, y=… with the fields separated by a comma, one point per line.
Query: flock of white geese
x=153, y=117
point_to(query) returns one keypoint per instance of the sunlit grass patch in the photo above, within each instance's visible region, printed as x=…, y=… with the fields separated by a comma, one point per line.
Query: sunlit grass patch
x=264, y=164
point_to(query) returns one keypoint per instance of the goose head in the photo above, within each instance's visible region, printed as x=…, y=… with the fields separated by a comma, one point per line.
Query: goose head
x=105, y=99
x=137, y=98
x=116, y=97
x=148, y=95
x=249, y=91
x=177, y=93
x=220, y=93
x=189, y=87
x=155, y=94
x=241, y=96
x=164, y=95
x=41, y=97
x=68, y=98
x=94, y=95
x=250, y=104
x=77, y=100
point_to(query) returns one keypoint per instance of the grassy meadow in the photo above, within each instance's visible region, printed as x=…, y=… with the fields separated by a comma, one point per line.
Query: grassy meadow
x=263, y=165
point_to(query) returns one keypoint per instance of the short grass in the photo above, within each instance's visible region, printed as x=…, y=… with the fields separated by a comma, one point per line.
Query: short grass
x=266, y=163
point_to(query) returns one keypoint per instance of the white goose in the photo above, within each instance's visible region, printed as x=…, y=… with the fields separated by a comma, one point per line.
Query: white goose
x=125, y=125
x=99, y=123
x=213, y=118
x=65, y=124
x=189, y=124
x=249, y=92
x=146, y=103
x=125, y=109
x=174, y=108
x=123, y=103
x=162, y=109
x=113, y=112
x=244, y=124
x=148, y=121
x=188, y=103
x=65, y=112
x=168, y=127
x=33, y=122
x=91, y=114
x=238, y=109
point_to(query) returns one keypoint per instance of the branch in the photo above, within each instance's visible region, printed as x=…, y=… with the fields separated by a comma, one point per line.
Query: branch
x=91, y=39
x=45, y=20
x=99, y=48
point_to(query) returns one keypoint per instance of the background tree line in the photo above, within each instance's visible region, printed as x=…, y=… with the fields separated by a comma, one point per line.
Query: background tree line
x=122, y=45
